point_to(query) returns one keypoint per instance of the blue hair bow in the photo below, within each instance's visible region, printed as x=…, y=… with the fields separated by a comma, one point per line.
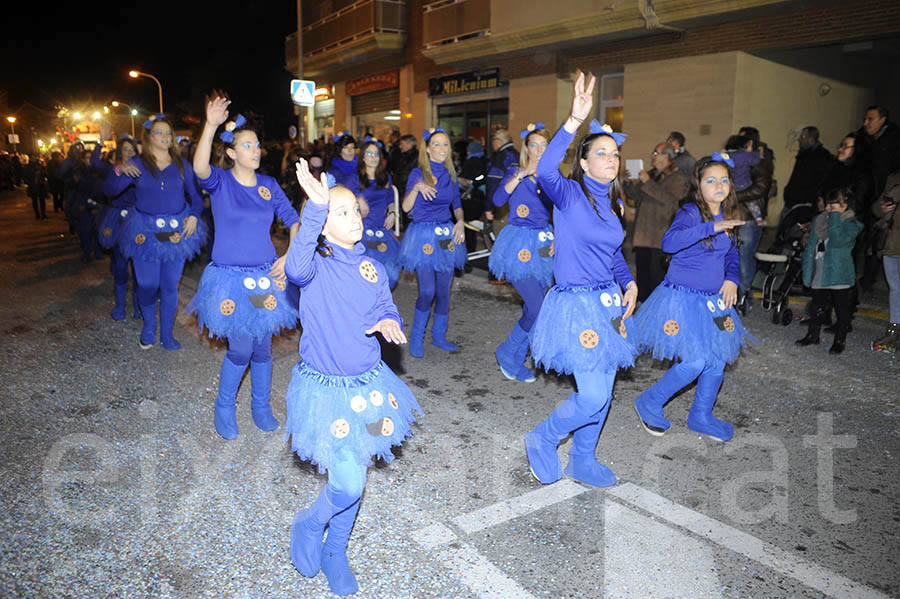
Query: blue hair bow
x=343, y=134
x=149, y=122
x=228, y=134
x=426, y=135
x=377, y=142
x=531, y=128
x=605, y=129
x=723, y=157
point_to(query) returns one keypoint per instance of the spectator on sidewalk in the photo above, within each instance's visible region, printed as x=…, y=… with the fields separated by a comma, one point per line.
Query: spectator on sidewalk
x=402, y=159
x=811, y=165
x=683, y=159
x=888, y=245
x=750, y=232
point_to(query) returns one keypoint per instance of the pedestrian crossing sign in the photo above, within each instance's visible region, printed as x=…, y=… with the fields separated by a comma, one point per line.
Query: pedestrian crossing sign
x=303, y=92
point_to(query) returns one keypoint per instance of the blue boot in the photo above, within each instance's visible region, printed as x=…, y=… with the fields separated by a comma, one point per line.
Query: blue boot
x=335, y=565
x=167, y=310
x=307, y=531
x=118, y=312
x=700, y=418
x=417, y=334
x=583, y=465
x=229, y=381
x=541, y=443
x=260, y=383
x=523, y=374
x=508, y=352
x=649, y=404
x=439, y=333
x=148, y=331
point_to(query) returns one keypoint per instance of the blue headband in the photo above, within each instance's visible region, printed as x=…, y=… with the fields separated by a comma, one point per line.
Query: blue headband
x=370, y=139
x=426, y=135
x=228, y=134
x=531, y=128
x=149, y=122
x=722, y=157
x=605, y=129
x=341, y=136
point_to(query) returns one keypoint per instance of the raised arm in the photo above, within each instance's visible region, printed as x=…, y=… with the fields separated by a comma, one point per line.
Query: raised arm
x=216, y=114
x=300, y=265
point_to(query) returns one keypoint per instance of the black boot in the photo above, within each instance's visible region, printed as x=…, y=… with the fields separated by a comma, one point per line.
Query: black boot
x=840, y=338
x=810, y=339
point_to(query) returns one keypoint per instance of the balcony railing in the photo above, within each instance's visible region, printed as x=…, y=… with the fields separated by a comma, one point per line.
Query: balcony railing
x=446, y=21
x=351, y=21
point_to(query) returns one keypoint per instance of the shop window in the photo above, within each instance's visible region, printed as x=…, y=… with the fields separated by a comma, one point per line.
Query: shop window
x=612, y=100
x=473, y=121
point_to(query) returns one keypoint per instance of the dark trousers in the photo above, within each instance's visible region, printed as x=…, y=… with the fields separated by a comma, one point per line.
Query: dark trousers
x=650, y=264
x=822, y=301
x=39, y=203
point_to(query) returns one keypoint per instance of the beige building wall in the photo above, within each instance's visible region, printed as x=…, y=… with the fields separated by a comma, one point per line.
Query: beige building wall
x=532, y=100
x=781, y=100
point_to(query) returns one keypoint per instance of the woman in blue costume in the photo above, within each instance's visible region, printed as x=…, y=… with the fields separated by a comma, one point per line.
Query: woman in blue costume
x=523, y=252
x=377, y=205
x=113, y=216
x=433, y=246
x=344, y=405
x=582, y=328
x=342, y=165
x=162, y=231
x=241, y=296
x=690, y=317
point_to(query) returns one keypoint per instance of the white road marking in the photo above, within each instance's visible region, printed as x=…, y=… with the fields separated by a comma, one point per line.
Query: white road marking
x=480, y=575
x=804, y=571
x=433, y=536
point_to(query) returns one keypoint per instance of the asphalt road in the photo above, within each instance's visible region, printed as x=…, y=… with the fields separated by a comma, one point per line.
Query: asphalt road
x=114, y=483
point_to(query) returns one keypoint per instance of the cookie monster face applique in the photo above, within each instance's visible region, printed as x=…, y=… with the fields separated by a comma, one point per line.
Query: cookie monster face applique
x=722, y=319
x=608, y=300
x=444, y=241
x=546, y=240
x=264, y=298
x=168, y=229
x=375, y=240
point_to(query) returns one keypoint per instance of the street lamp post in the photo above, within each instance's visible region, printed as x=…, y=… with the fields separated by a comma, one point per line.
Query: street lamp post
x=136, y=74
x=131, y=112
x=12, y=127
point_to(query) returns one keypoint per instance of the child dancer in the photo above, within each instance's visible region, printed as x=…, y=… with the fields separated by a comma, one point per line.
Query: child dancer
x=344, y=405
x=433, y=246
x=522, y=253
x=378, y=209
x=691, y=316
x=241, y=296
x=581, y=328
x=162, y=231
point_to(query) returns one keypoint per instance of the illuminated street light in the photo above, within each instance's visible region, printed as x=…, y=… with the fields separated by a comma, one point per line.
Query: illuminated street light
x=96, y=116
x=77, y=116
x=136, y=74
x=52, y=140
x=11, y=119
x=133, y=112
x=116, y=103
x=12, y=126
x=106, y=109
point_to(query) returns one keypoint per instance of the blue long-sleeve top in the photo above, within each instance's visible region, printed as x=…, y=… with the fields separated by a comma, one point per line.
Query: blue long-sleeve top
x=339, y=302
x=345, y=173
x=447, y=197
x=527, y=193
x=162, y=194
x=243, y=216
x=378, y=201
x=123, y=199
x=694, y=264
x=588, y=248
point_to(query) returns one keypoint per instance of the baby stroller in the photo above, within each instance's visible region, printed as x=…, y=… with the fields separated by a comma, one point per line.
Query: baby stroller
x=782, y=265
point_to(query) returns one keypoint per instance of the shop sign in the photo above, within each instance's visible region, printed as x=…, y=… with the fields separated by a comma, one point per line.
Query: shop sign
x=472, y=81
x=373, y=83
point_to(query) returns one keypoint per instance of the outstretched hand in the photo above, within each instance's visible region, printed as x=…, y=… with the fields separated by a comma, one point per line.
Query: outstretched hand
x=317, y=190
x=106, y=131
x=629, y=301
x=217, y=108
x=390, y=329
x=725, y=225
x=584, y=96
x=729, y=293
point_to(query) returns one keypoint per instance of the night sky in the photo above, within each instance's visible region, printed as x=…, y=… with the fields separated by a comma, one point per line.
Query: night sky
x=79, y=55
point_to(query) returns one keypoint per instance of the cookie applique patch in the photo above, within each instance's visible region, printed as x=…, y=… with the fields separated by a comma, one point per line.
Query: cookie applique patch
x=358, y=403
x=107, y=232
x=589, y=339
x=381, y=247
x=522, y=211
x=670, y=328
x=264, y=192
x=383, y=427
x=280, y=284
x=729, y=324
x=175, y=237
x=368, y=271
x=270, y=303
x=376, y=397
x=340, y=428
x=427, y=249
x=140, y=238
x=524, y=255
x=227, y=307
x=393, y=401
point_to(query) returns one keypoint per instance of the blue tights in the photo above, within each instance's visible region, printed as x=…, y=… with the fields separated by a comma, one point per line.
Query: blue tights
x=242, y=349
x=532, y=292
x=434, y=287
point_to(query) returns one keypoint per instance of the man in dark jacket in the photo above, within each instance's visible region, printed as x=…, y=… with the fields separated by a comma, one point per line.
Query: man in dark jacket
x=810, y=167
x=683, y=159
x=881, y=145
x=404, y=157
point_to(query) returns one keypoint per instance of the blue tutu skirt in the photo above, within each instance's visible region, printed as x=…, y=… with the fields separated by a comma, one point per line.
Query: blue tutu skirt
x=157, y=237
x=242, y=300
x=383, y=246
x=430, y=244
x=522, y=252
x=581, y=329
x=334, y=418
x=109, y=225
x=678, y=322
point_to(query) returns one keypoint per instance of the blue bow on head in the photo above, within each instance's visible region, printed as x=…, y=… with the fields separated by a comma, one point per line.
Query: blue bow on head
x=228, y=134
x=426, y=135
x=149, y=122
x=605, y=129
x=723, y=157
x=531, y=128
x=128, y=138
x=341, y=136
x=377, y=142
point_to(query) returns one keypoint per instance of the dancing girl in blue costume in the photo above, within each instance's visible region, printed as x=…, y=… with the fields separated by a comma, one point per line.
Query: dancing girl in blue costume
x=342, y=165
x=344, y=405
x=582, y=326
x=377, y=206
x=242, y=293
x=433, y=246
x=523, y=252
x=691, y=316
x=162, y=232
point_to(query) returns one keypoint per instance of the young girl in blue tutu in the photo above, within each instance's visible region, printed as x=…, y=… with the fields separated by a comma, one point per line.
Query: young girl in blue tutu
x=242, y=293
x=344, y=405
x=691, y=317
x=522, y=253
x=162, y=231
x=433, y=246
x=377, y=206
x=581, y=328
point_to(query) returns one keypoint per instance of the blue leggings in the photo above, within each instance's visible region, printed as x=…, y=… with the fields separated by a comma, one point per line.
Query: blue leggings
x=245, y=348
x=158, y=277
x=119, y=268
x=532, y=293
x=433, y=286
x=346, y=481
